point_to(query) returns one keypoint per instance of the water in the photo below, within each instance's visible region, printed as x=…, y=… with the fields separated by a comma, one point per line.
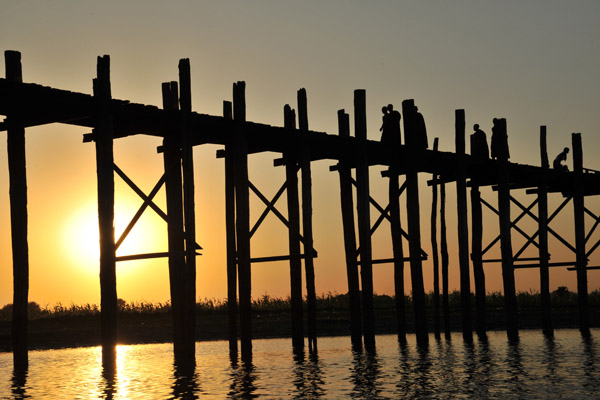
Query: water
x=565, y=367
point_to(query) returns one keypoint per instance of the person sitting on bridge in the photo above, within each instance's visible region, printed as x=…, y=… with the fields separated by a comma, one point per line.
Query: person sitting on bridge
x=390, y=129
x=560, y=158
x=420, y=130
x=499, y=141
x=479, y=146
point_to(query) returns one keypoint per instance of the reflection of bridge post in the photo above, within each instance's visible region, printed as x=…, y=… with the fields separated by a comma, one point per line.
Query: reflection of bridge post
x=364, y=220
x=543, y=240
x=103, y=133
x=242, y=219
x=414, y=225
x=580, y=254
x=508, y=271
x=18, y=218
x=349, y=236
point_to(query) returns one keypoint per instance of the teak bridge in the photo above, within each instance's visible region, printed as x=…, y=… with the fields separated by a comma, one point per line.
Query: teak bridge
x=26, y=105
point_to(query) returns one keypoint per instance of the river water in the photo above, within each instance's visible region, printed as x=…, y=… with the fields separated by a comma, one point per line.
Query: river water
x=536, y=367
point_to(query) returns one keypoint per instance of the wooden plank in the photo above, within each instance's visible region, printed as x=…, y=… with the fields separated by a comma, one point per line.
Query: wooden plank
x=189, y=213
x=106, y=205
x=434, y=252
x=232, y=307
x=17, y=177
x=508, y=274
x=414, y=225
x=445, y=262
x=347, y=208
x=364, y=220
x=398, y=251
x=291, y=178
x=580, y=254
x=307, y=226
x=544, y=255
x=463, y=229
x=174, y=217
x=242, y=211
x=476, y=257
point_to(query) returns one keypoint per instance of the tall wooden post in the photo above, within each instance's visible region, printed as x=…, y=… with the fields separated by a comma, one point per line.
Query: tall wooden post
x=242, y=208
x=175, y=237
x=106, y=206
x=18, y=217
x=230, y=235
x=476, y=257
x=291, y=177
x=189, y=305
x=580, y=257
x=543, y=241
x=445, y=261
x=414, y=224
x=364, y=219
x=307, y=230
x=347, y=207
x=398, y=251
x=508, y=272
x=434, y=255
x=463, y=229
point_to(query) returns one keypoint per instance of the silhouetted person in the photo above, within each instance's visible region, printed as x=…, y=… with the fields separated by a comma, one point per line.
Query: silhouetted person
x=560, y=158
x=479, y=146
x=390, y=129
x=499, y=142
x=420, y=130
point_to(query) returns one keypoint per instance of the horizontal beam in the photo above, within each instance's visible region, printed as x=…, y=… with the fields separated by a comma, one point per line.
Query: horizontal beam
x=144, y=256
x=277, y=258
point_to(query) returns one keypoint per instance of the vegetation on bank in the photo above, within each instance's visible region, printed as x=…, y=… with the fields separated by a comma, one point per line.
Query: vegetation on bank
x=561, y=297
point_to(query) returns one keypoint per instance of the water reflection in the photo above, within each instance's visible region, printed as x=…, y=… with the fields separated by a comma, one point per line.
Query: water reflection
x=516, y=375
x=109, y=373
x=592, y=378
x=185, y=384
x=308, y=377
x=18, y=383
x=364, y=376
x=242, y=381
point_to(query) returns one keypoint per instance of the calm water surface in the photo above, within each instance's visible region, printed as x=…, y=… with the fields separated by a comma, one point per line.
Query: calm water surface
x=565, y=367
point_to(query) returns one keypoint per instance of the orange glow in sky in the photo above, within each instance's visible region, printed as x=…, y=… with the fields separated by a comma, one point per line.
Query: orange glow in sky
x=533, y=63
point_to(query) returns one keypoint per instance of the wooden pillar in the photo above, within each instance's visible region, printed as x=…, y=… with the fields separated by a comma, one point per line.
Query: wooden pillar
x=230, y=235
x=18, y=217
x=349, y=238
x=291, y=176
x=103, y=133
x=242, y=212
x=580, y=257
x=174, y=197
x=364, y=220
x=463, y=229
x=414, y=224
x=434, y=251
x=543, y=241
x=508, y=272
x=189, y=284
x=307, y=230
x=476, y=257
x=396, y=231
x=445, y=261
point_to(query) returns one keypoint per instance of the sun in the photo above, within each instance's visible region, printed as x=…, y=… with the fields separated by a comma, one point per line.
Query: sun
x=81, y=237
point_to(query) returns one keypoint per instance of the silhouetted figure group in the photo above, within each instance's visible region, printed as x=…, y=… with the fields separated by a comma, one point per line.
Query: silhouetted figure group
x=390, y=128
x=557, y=164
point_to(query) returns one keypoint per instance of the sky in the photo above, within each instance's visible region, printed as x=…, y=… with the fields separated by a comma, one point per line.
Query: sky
x=533, y=63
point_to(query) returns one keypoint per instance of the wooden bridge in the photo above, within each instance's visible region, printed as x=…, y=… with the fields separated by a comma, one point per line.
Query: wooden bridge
x=26, y=105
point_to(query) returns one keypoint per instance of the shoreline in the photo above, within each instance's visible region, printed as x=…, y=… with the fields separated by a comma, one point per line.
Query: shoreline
x=52, y=333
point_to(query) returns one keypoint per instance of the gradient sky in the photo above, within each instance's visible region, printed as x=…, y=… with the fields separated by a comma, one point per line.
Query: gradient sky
x=533, y=63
